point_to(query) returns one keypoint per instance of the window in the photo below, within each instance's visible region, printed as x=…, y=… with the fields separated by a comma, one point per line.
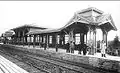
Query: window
x=50, y=39
x=28, y=39
x=32, y=38
x=40, y=39
x=37, y=38
x=77, y=38
x=58, y=39
x=44, y=39
x=66, y=38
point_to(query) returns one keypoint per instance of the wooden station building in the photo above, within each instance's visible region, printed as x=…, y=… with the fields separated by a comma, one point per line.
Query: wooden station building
x=80, y=29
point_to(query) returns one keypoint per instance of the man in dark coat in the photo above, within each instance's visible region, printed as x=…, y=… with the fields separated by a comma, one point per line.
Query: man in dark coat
x=79, y=48
x=45, y=46
x=84, y=49
x=68, y=47
x=56, y=47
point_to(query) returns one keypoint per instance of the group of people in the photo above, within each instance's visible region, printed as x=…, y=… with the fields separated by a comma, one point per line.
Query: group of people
x=83, y=47
x=70, y=47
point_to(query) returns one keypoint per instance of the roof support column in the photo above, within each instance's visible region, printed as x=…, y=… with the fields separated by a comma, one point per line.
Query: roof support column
x=60, y=40
x=74, y=37
x=105, y=37
x=39, y=41
x=63, y=39
x=42, y=39
x=82, y=38
x=94, y=41
x=34, y=38
x=90, y=42
x=23, y=38
x=47, y=41
x=29, y=40
x=19, y=36
x=53, y=40
x=71, y=40
x=56, y=43
x=26, y=38
x=86, y=38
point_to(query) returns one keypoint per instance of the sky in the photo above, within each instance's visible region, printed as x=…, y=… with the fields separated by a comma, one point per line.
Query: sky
x=52, y=14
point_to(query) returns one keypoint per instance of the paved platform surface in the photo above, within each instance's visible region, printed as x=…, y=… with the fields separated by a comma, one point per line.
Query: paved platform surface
x=7, y=66
x=60, y=50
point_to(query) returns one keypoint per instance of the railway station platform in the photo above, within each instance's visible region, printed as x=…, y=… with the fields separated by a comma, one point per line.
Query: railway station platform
x=108, y=63
x=60, y=50
x=7, y=66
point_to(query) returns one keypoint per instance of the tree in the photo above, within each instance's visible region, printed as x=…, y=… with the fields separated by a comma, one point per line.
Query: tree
x=113, y=46
x=116, y=42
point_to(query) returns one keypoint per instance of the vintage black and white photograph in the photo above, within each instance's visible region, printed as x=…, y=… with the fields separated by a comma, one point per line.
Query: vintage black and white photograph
x=59, y=36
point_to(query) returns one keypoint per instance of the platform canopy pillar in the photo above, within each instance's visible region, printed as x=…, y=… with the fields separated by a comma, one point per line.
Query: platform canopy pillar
x=63, y=39
x=40, y=41
x=105, y=33
x=82, y=38
x=56, y=42
x=92, y=40
x=26, y=36
x=19, y=36
x=29, y=40
x=34, y=38
x=86, y=38
x=71, y=39
x=47, y=41
x=23, y=37
x=90, y=43
x=60, y=39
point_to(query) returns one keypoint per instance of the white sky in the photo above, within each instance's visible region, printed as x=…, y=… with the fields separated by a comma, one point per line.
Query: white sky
x=52, y=14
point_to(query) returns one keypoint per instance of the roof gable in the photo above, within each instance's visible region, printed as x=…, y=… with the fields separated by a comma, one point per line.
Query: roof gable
x=90, y=12
x=27, y=26
x=91, y=16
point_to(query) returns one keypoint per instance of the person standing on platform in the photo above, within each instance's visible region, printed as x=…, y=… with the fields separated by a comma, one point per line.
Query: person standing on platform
x=40, y=44
x=68, y=47
x=72, y=46
x=84, y=49
x=90, y=47
x=45, y=46
x=103, y=47
x=79, y=48
x=56, y=46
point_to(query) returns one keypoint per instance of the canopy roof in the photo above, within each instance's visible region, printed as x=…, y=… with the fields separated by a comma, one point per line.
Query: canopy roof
x=89, y=16
x=43, y=31
x=28, y=26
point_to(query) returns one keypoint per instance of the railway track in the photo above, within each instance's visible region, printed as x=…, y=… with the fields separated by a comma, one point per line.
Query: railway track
x=51, y=65
x=34, y=61
x=7, y=54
